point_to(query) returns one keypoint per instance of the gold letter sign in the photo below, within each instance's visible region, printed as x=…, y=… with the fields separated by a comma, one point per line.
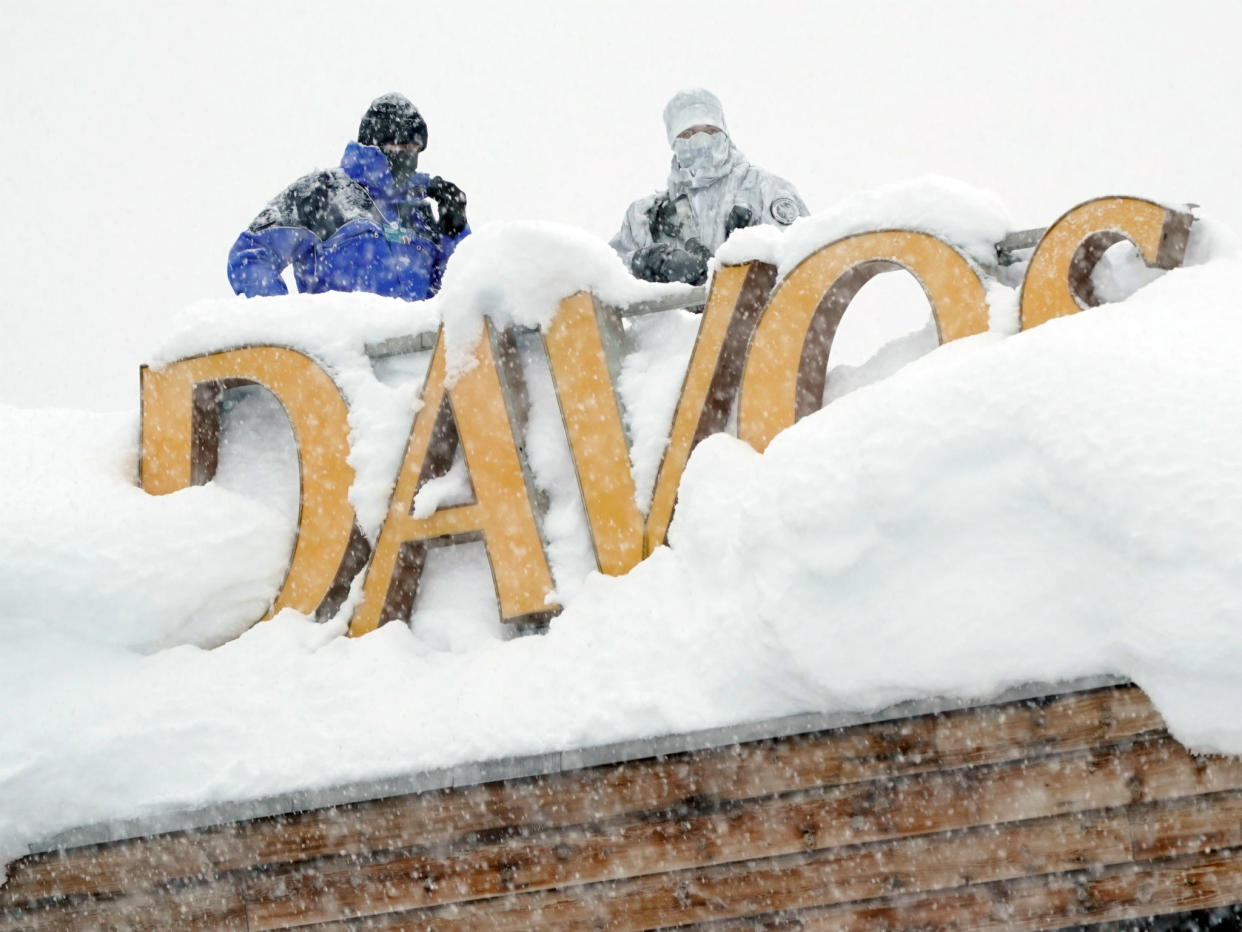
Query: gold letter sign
x=179, y=446
x=762, y=347
x=784, y=378
x=738, y=296
x=1058, y=280
x=582, y=343
x=476, y=412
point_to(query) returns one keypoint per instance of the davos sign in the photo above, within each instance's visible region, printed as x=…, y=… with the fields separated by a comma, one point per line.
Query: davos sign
x=762, y=350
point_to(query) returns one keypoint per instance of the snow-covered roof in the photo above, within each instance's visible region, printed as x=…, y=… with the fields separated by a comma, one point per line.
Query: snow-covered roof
x=1047, y=505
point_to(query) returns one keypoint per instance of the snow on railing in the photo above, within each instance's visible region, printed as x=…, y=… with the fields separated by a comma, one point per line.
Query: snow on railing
x=693, y=298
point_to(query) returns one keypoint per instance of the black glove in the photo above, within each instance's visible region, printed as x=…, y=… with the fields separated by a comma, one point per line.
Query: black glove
x=664, y=263
x=683, y=266
x=739, y=217
x=698, y=250
x=662, y=220
x=451, y=201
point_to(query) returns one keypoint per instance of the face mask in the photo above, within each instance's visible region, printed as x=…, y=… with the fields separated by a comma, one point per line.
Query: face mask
x=403, y=164
x=703, y=154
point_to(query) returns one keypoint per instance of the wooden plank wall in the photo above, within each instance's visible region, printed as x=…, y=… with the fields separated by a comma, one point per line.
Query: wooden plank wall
x=1037, y=814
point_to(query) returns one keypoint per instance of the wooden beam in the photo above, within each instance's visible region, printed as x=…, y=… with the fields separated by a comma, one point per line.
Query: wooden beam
x=905, y=818
x=1187, y=826
x=874, y=871
x=746, y=888
x=771, y=826
x=720, y=776
x=1035, y=903
x=802, y=882
x=215, y=907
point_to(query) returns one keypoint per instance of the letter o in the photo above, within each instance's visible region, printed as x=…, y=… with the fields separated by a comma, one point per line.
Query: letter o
x=787, y=361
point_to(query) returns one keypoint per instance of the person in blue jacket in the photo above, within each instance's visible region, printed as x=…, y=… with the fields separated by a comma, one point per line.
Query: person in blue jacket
x=366, y=226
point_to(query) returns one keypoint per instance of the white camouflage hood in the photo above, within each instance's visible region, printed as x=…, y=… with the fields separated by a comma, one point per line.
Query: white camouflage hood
x=690, y=108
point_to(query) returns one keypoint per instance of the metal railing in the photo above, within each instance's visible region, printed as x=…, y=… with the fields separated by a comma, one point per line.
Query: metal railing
x=693, y=297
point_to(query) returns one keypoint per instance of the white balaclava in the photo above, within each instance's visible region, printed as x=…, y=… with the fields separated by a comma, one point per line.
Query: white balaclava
x=703, y=157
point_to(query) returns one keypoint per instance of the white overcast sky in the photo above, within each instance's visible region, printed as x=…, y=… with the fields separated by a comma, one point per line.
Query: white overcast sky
x=141, y=138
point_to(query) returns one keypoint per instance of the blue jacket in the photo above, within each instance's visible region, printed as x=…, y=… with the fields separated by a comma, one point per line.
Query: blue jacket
x=347, y=229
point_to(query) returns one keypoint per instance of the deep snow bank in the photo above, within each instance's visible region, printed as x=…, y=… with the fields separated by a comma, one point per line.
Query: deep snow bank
x=1056, y=503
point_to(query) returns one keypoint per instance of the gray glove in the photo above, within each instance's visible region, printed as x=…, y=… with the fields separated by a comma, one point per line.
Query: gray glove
x=663, y=262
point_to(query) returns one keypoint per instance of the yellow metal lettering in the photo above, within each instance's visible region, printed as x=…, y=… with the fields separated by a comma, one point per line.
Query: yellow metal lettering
x=788, y=358
x=474, y=412
x=579, y=360
x=1058, y=279
x=179, y=447
x=737, y=298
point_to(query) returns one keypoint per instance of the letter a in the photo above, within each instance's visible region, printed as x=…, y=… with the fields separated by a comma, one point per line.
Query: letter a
x=476, y=411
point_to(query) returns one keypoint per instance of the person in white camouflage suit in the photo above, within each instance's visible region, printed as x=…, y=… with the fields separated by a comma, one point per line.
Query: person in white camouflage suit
x=712, y=190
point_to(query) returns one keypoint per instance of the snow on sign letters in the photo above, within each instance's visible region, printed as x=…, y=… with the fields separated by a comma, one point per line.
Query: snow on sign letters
x=761, y=350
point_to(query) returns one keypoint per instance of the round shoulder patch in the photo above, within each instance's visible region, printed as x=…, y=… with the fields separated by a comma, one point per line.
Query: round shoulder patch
x=784, y=210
